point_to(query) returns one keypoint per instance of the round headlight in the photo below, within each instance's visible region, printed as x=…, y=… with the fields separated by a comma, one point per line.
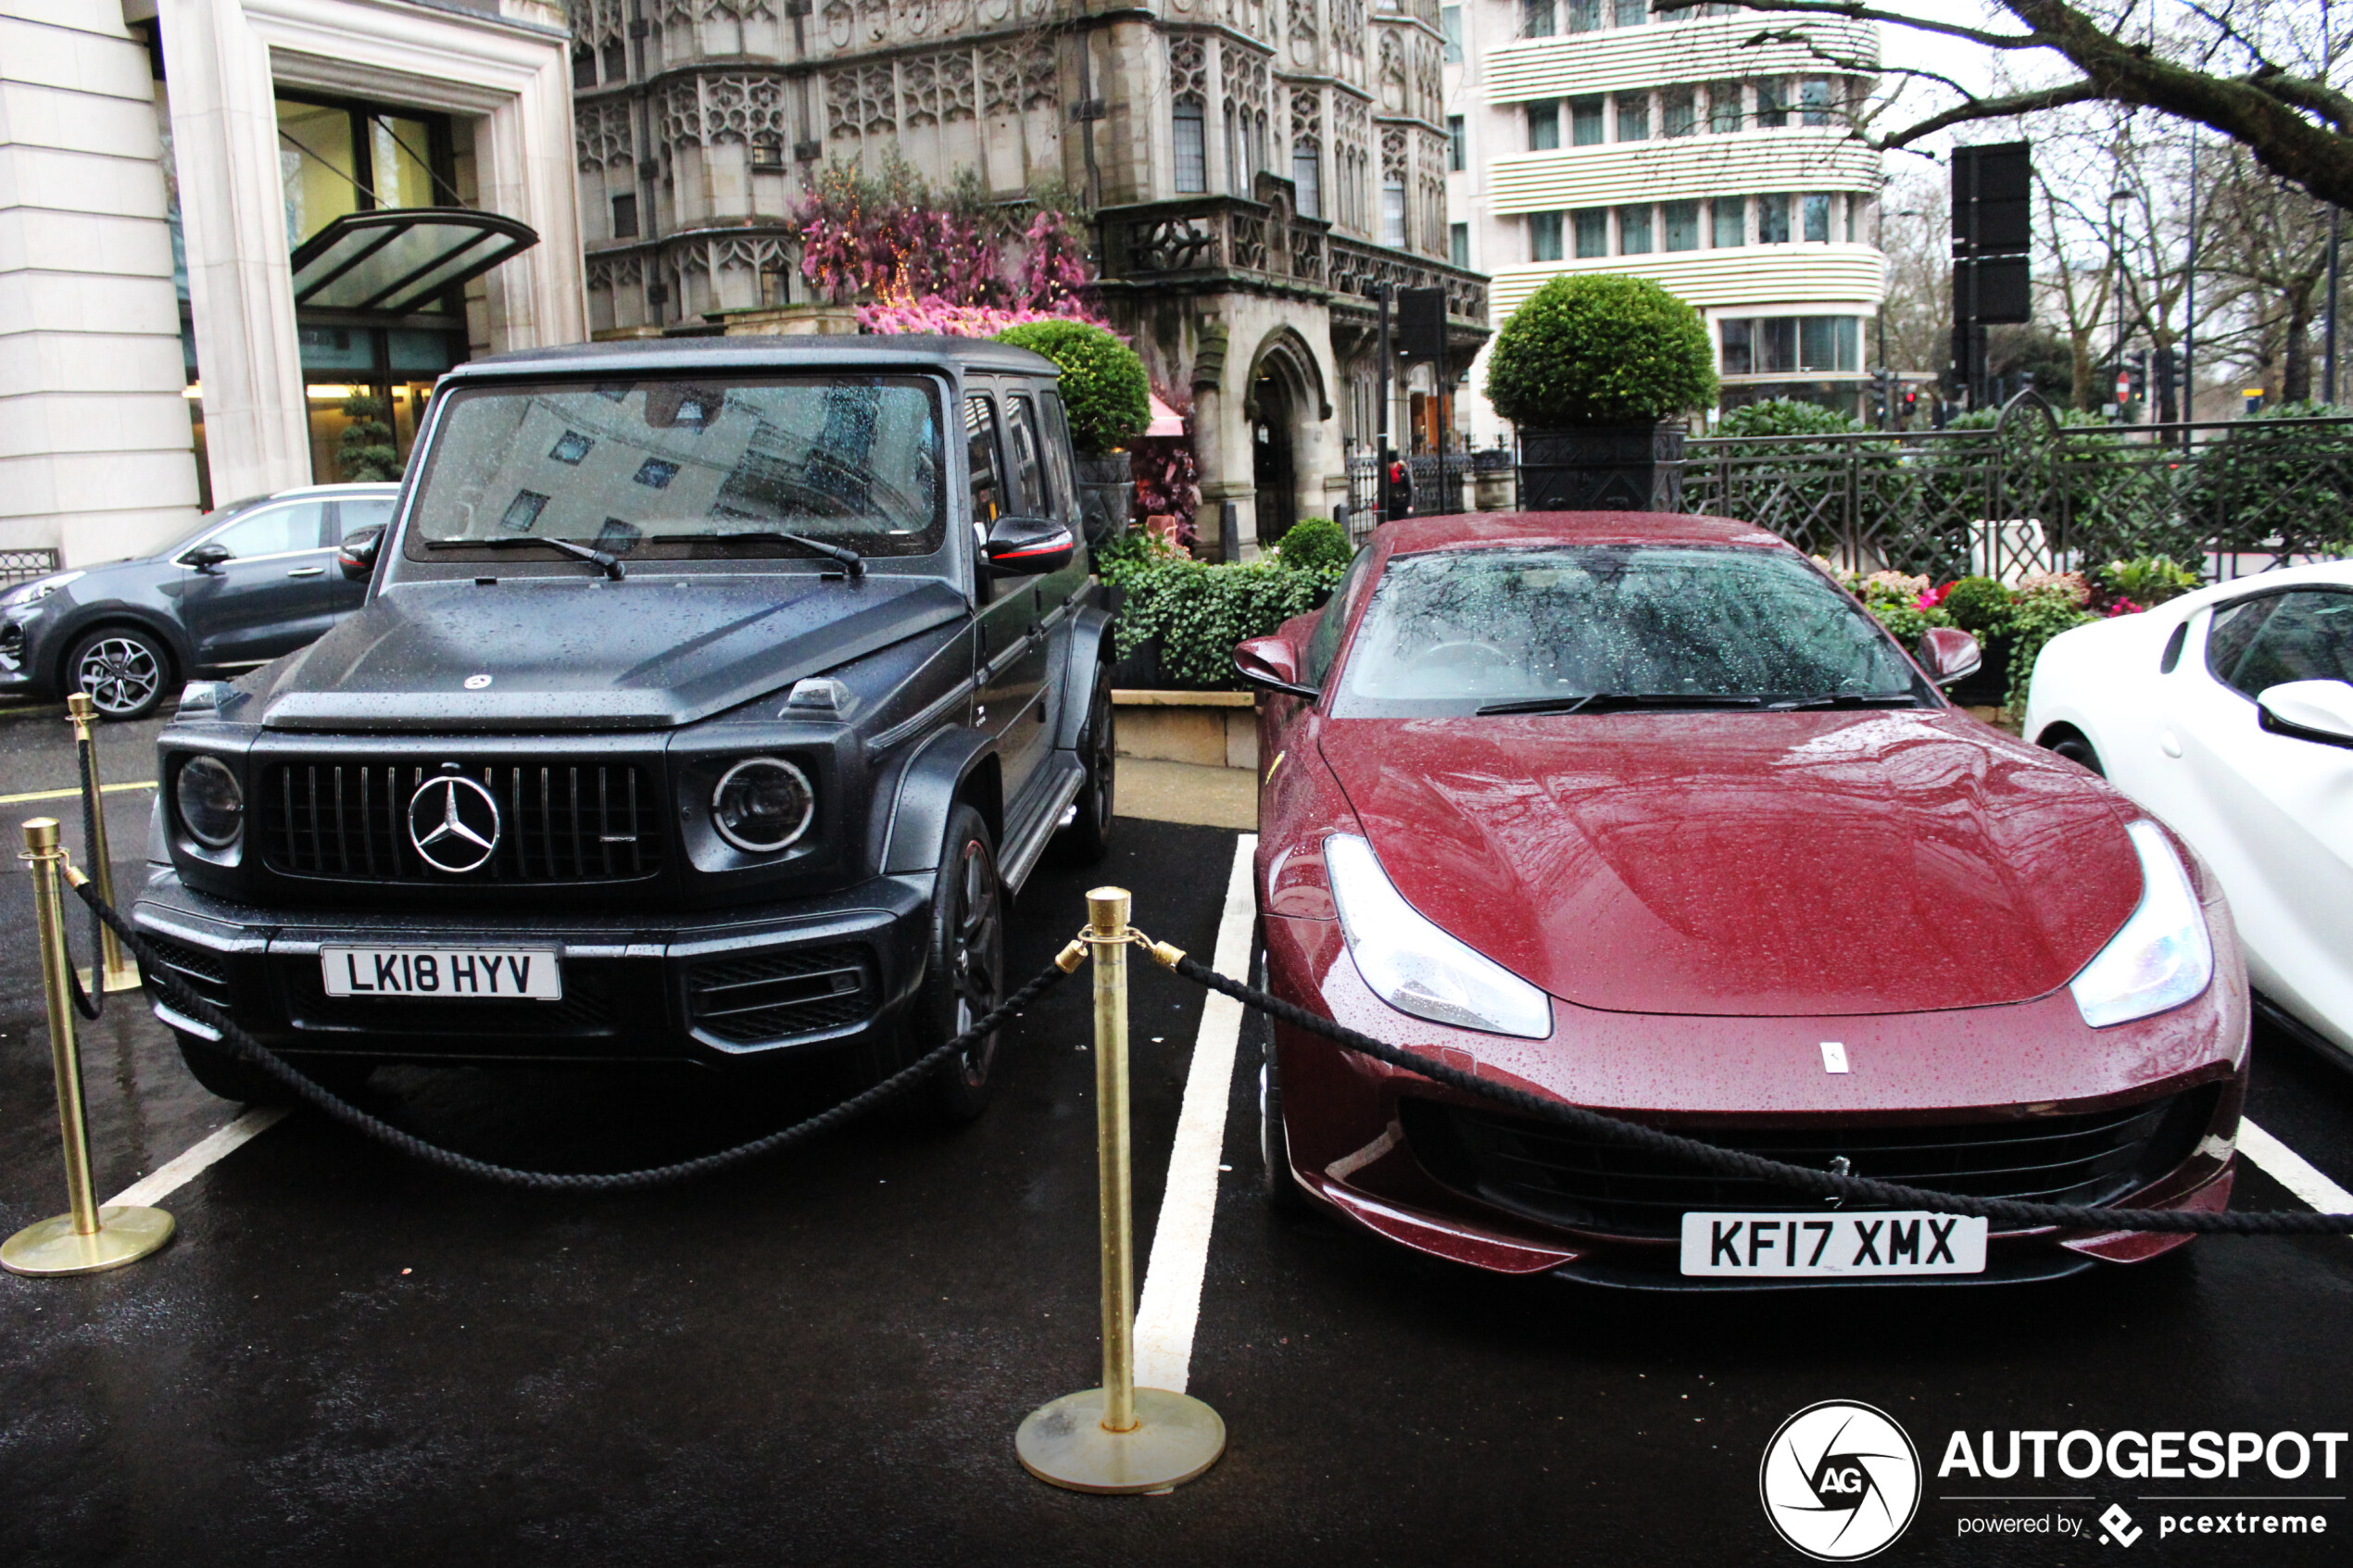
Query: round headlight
x=211, y=806
x=763, y=805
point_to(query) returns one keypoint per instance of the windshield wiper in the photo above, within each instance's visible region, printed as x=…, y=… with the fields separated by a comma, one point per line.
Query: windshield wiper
x=607, y=563
x=854, y=563
x=1607, y=702
x=1845, y=699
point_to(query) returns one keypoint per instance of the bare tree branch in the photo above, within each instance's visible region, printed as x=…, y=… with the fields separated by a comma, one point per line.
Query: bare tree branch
x=2077, y=92
x=1871, y=14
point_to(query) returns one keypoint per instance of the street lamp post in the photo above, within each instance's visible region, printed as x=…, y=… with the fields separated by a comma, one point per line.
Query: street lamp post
x=2117, y=198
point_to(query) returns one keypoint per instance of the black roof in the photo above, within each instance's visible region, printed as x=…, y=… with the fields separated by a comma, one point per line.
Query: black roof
x=637, y=356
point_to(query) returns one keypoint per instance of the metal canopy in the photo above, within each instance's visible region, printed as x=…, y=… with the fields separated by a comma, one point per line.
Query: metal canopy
x=398, y=258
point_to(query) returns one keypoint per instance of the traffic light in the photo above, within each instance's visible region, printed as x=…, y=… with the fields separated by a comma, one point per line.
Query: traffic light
x=2140, y=371
x=2168, y=382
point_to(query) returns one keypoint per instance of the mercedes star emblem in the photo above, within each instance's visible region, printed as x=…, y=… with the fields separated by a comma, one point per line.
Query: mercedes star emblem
x=454, y=822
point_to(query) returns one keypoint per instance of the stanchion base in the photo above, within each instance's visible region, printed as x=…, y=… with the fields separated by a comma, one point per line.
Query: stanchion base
x=119, y=980
x=126, y=1233
x=1176, y=1438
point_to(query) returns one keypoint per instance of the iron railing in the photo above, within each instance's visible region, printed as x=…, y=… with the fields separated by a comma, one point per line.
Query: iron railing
x=2028, y=493
x=23, y=566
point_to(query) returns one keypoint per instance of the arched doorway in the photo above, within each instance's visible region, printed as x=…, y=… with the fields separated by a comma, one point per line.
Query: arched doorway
x=1273, y=472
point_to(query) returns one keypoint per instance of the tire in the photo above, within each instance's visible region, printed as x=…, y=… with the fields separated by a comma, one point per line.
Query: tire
x=2081, y=752
x=965, y=972
x=1276, y=1185
x=126, y=670
x=1089, y=835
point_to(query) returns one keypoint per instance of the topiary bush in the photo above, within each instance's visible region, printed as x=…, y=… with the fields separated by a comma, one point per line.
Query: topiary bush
x=1979, y=606
x=1103, y=386
x=1314, y=544
x=1600, y=349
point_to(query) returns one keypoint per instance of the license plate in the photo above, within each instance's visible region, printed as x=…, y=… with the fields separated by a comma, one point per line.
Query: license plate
x=465, y=973
x=1865, y=1246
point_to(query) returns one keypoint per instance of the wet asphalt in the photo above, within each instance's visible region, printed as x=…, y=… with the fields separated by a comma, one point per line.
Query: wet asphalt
x=347, y=1358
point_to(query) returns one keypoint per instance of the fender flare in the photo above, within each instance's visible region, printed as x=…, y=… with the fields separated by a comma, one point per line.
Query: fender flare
x=951, y=764
x=1092, y=648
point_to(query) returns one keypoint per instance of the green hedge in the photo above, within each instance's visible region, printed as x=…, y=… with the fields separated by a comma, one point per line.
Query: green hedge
x=1103, y=386
x=1199, y=612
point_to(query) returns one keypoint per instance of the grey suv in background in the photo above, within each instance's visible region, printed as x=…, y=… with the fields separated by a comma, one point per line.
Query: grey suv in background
x=256, y=579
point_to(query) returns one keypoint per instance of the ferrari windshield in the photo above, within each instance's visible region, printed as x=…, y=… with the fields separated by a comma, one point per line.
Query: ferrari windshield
x=720, y=465
x=1598, y=628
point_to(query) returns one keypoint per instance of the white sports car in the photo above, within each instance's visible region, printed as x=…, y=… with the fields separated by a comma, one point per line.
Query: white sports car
x=2229, y=713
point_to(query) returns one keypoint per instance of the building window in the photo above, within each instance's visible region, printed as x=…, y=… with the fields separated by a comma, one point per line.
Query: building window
x=522, y=511
x=616, y=61
x=1633, y=117
x=1773, y=221
x=1740, y=356
x=656, y=474
x=1776, y=345
x=1678, y=112
x=1192, y=151
x=1731, y=222
x=1536, y=19
x=570, y=448
x=1630, y=13
x=1592, y=232
x=1585, y=122
x=1543, y=236
x=1584, y=15
x=1392, y=213
x=1772, y=103
x=1450, y=24
x=625, y=216
x=1634, y=230
x=1458, y=242
x=1680, y=220
x=1817, y=211
x=1853, y=216
x=1724, y=107
x=1543, y=127
x=1814, y=101
x=1307, y=181
x=1454, y=148
x=584, y=68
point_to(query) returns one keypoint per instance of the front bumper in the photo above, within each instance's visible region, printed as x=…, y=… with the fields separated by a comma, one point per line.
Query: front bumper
x=710, y=988
x=1373, y=1143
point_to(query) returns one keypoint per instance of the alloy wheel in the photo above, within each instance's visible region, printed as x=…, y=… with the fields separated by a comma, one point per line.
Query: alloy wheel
x=121, y=674
x=979, y=960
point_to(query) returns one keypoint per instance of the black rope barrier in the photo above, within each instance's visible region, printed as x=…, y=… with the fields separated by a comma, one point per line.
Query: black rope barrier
x=1739, y=1162
x=90, y=1004
x=161, y=980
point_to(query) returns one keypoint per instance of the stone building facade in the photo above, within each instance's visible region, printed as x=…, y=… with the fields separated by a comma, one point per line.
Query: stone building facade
x=1259, y=170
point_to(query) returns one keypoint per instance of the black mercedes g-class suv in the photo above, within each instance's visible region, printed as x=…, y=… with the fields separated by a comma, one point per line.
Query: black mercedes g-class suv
x=712, y=699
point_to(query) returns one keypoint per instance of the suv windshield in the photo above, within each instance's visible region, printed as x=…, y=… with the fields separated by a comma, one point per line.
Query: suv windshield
x=1601, y=627
x=718, y=466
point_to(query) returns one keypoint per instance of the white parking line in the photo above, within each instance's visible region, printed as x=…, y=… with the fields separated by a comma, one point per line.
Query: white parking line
x=169, y=1177
x=1171, y=1304
x=2292, y=1171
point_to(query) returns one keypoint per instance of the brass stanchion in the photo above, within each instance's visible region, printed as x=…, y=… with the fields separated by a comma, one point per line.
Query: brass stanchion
x=87, y=1238
x=1117, y=1437
x=115, y=971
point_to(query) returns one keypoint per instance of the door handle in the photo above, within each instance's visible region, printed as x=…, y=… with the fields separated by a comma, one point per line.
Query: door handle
x=308, y=571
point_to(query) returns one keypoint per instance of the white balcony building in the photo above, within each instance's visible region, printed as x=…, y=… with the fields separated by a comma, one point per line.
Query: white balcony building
x=1591, y=136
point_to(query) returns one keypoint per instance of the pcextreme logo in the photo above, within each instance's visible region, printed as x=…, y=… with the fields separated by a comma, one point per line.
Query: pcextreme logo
x=1841, y=1481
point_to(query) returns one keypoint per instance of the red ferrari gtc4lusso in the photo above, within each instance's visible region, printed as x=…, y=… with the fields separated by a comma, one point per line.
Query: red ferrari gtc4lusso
x=1645, y=812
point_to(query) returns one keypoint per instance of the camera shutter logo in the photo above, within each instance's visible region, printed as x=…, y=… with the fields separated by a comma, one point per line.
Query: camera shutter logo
x=454, y=823
x=1841, y=1481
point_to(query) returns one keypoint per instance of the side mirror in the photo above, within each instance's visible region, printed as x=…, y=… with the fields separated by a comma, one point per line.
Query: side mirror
x=357, y=554
x=1028, y=547
x=2314, y=711
x=207, y=558
x=1269, y=664
x=1949, y=654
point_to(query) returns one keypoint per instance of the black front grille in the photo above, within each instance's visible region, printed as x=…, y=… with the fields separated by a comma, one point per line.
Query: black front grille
x=560, y=822
x=202, y=972
x=771, y=996
x=1550, y=1173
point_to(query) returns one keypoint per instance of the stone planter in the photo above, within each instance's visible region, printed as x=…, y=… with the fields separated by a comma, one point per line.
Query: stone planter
x=790, y=321
x=1630, y=467
x=1106, y=493
x=1207, y=729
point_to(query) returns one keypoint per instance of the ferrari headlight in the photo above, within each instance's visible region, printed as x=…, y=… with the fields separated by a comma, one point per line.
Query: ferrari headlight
x=2162, y=957
x=763, y=805
x=211, y=806
x=1416, y=968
